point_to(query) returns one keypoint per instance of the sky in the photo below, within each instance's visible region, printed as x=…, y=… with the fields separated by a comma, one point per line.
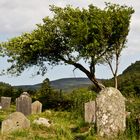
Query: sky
x=19, y=16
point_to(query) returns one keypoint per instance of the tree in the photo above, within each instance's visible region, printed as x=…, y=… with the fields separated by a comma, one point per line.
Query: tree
x=71, y=35
x=119, y=21
x=45, y=89
x=6, y=90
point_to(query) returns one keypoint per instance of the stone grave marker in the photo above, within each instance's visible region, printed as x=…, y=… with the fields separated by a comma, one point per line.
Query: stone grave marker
x=36, y=107
x=5, y=102
x=43, y=121
x=23, y=104
x=90, y=112
x=110, y=112
x=15, y=121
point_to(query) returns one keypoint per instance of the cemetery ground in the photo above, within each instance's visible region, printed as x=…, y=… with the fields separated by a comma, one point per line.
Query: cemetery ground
x=70, y=125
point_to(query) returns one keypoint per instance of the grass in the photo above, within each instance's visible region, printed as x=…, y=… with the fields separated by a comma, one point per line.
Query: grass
x=68, y=126
x=62, y=124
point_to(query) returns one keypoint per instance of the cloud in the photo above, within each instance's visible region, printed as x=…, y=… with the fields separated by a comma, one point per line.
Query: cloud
x=21, y=16
x=18, y=16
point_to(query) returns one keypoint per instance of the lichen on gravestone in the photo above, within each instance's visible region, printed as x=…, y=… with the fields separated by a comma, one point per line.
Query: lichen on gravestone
x=110, y=112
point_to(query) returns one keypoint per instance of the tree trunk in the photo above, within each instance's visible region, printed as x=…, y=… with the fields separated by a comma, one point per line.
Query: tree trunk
x=116, y=81
x=91, y=76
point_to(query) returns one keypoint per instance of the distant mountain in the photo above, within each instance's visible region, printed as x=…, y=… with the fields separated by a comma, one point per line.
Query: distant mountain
x=70, y=83
x=67, y=84
x=64, y=84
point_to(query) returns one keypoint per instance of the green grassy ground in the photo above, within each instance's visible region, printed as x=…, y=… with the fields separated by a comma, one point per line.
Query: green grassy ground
x=68, y=126
x=65, y=126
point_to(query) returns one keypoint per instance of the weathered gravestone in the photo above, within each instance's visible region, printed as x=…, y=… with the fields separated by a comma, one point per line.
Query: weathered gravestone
x=110, y=112
x=23, y=103
x=15, y=121
x=42, y=121
x=90, y=112
x=5, y=102
x=36, y=107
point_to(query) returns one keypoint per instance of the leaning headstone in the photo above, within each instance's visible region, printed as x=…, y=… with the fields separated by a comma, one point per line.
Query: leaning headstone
x=36, y=107
x=5, y=102
x=42, y=121
x=23, y=104
x=15, y=121
x=110, y=112
x=90, y=112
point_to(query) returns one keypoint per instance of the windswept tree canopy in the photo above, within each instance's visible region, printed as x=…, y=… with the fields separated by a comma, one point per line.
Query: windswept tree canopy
x=72, y=34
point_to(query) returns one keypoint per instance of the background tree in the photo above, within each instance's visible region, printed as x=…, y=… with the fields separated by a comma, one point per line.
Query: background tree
x=71, y=35
x=118, y=23
x=45, y=89
x=6, y=89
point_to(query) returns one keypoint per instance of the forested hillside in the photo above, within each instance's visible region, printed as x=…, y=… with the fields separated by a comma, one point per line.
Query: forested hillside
x=134, y=67
x=128, y=83
x=129, y=80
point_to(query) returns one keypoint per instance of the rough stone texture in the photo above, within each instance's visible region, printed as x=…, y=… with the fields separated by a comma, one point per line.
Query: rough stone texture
x=42, y=121
x=90, y=112
x=36, y=107
x=15, y=121
x=5, y=102
x=110, y=112
x=23, y=104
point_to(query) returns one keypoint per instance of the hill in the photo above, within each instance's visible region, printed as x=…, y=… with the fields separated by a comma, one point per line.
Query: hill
x=129, y=75
x=133, y=68
x=129, y=80
x=64, y=84
x=70, y=83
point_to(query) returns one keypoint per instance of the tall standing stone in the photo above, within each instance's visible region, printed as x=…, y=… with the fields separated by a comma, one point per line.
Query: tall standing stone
x=23, y=103
x=36, y=107
x=110, y=112
x=5, y=102
x=90, y=112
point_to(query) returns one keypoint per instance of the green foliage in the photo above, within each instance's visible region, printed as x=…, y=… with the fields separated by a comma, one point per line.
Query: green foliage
x=72, y=34
x=50, y=98
x=5, y=89
x=45, y=89
x=79, y=97
x=134, y=67
x=133, y=128
x=128, y=81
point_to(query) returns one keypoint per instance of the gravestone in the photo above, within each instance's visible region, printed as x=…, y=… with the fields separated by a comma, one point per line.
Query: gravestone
x=90, y=112
x=15, y=121
x=23, y=104
x=42, y=121
x=110, y=112
x=5, y=102
x=36, y=107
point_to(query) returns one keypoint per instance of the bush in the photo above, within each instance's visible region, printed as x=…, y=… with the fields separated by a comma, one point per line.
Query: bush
x=78, y=98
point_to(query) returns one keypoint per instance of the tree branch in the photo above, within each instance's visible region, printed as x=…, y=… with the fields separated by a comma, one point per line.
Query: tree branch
x=83, y=69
